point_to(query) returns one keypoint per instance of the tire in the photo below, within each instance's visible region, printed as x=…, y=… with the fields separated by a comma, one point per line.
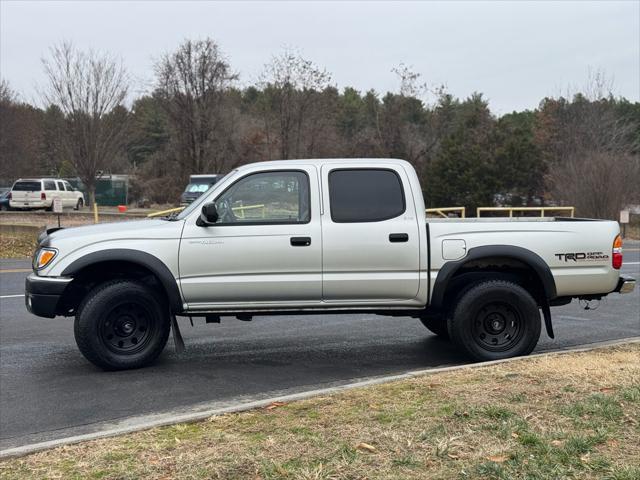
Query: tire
x=495, y=319
x=436, y=325
x=122, y=324
x=79, y=204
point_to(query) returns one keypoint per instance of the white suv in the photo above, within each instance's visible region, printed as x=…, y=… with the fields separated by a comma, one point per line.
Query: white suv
x=34, y=193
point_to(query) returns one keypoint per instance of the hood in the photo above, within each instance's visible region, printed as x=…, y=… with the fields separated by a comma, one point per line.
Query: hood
x=148, y=228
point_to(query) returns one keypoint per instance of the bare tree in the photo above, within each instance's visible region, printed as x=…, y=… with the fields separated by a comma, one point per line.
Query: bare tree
x=192, y=82
x=20, y=136
x=89, y=88
x=7, y=94
x=293, y=86
x=590, y=150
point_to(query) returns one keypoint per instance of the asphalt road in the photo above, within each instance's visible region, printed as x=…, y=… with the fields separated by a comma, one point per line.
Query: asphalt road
x=48, y=390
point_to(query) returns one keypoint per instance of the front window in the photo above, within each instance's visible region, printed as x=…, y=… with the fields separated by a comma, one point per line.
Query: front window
x=266, y=197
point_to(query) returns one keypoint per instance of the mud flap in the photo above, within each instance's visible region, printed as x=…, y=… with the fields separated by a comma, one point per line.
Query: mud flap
x=546, y=312
x=177, y=336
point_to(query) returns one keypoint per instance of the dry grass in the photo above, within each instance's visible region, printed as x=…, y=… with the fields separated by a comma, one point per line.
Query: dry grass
x=566, y=416
x=17, y=246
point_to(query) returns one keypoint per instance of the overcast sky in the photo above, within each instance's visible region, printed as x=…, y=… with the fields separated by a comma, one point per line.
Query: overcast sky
x=514, y=52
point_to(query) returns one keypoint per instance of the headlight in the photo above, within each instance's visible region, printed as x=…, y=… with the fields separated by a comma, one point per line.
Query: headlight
x=43, y=257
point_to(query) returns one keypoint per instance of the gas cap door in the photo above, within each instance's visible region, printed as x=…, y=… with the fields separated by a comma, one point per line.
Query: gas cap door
x=453, y=249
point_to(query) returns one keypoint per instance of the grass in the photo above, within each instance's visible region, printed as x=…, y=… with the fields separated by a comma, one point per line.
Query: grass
x=17, y=246
x=567, y=416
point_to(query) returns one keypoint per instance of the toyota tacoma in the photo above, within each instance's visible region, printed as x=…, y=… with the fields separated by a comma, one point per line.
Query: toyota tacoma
x=320, y=236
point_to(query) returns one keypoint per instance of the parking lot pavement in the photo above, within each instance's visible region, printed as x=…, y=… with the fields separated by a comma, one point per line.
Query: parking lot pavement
x=48, y=390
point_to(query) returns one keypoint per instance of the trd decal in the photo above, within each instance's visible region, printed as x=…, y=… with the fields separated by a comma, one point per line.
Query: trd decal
x=581, y=256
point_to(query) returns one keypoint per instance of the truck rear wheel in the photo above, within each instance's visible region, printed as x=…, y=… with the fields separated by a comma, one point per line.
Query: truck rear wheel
x=495, y=319
x=122, y=324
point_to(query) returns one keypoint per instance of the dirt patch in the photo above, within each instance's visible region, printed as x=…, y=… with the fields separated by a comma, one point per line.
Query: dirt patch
x=567, y=416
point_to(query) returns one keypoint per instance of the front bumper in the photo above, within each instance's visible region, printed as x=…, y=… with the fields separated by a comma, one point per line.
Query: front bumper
x=42, y=294
x=626, y=284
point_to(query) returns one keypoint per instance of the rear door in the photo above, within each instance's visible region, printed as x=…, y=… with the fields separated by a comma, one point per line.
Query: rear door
x=371, y=248
x=25, y=192
x=63, y=194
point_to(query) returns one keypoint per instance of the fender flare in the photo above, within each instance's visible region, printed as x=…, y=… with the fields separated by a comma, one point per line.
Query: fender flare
x=144, y=259
x=529, y=258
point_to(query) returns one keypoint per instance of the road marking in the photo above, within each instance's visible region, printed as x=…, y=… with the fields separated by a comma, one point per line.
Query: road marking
x=569, y=317
x=16, y=270
x=12, y=296
x=630, y=263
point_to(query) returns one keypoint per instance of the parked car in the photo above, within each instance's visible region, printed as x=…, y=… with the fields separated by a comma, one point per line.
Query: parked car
x=37, y=193
x=198, y=184
x=5, y=194
x=320, y=236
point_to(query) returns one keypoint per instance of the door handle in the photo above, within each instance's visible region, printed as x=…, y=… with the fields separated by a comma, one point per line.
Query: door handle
x=398, y=237
x=300, y=241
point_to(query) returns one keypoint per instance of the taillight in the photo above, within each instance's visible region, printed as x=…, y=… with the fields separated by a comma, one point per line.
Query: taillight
x=43, y=196
x=616, y=258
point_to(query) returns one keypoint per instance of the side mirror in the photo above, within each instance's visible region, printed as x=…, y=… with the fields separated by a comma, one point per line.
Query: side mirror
x=208, y=215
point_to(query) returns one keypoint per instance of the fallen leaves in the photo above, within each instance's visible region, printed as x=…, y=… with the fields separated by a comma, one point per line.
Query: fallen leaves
x=497, y=458
x=274, y=405
x=366, y=447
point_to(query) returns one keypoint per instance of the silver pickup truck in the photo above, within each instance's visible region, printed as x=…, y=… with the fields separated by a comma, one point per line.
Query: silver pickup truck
x=320, y=236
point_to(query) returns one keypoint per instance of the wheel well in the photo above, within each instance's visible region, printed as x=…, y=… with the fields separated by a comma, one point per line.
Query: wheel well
x=504, y=268
x=94, y=274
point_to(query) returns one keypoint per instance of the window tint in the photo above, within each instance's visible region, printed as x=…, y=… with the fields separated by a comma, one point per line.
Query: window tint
x=365, y=195
x=49, y=185
x=26, y=187
x=68, y=187
x=269, y=197
x=60, y=186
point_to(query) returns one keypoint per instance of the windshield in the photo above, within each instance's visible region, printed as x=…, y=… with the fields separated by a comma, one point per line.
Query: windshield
x=26, y=186
x=197, y=187
x=196, y=204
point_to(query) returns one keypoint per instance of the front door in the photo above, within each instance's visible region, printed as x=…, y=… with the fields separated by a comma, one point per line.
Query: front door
x=264, y=250
x=371, y=248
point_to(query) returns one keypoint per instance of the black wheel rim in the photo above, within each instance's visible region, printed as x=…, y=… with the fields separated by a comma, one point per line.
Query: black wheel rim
x=127, y=328
x=497, y=327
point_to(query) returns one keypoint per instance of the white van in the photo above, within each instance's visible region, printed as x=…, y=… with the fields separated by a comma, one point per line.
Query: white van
x=35, y=193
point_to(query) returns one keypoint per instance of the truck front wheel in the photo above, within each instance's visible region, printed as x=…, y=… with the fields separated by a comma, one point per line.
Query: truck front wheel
x=122, y=324
x=495, y=319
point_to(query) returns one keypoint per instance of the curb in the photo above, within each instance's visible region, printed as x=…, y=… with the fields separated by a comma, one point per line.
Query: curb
x=147, y=422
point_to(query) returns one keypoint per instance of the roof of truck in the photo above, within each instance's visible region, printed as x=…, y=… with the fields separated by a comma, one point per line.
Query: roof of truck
x=327, y=161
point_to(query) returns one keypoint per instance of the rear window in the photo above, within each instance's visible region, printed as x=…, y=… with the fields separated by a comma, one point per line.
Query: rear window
x=365, y=195
x=26, y=187
x=198, y=187
x=49, y=185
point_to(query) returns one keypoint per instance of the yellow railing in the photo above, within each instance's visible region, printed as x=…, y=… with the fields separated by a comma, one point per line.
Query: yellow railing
x=510, y=210
x=248, y=207
x=235, y=209
x=165, y=212
x=443, y=212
